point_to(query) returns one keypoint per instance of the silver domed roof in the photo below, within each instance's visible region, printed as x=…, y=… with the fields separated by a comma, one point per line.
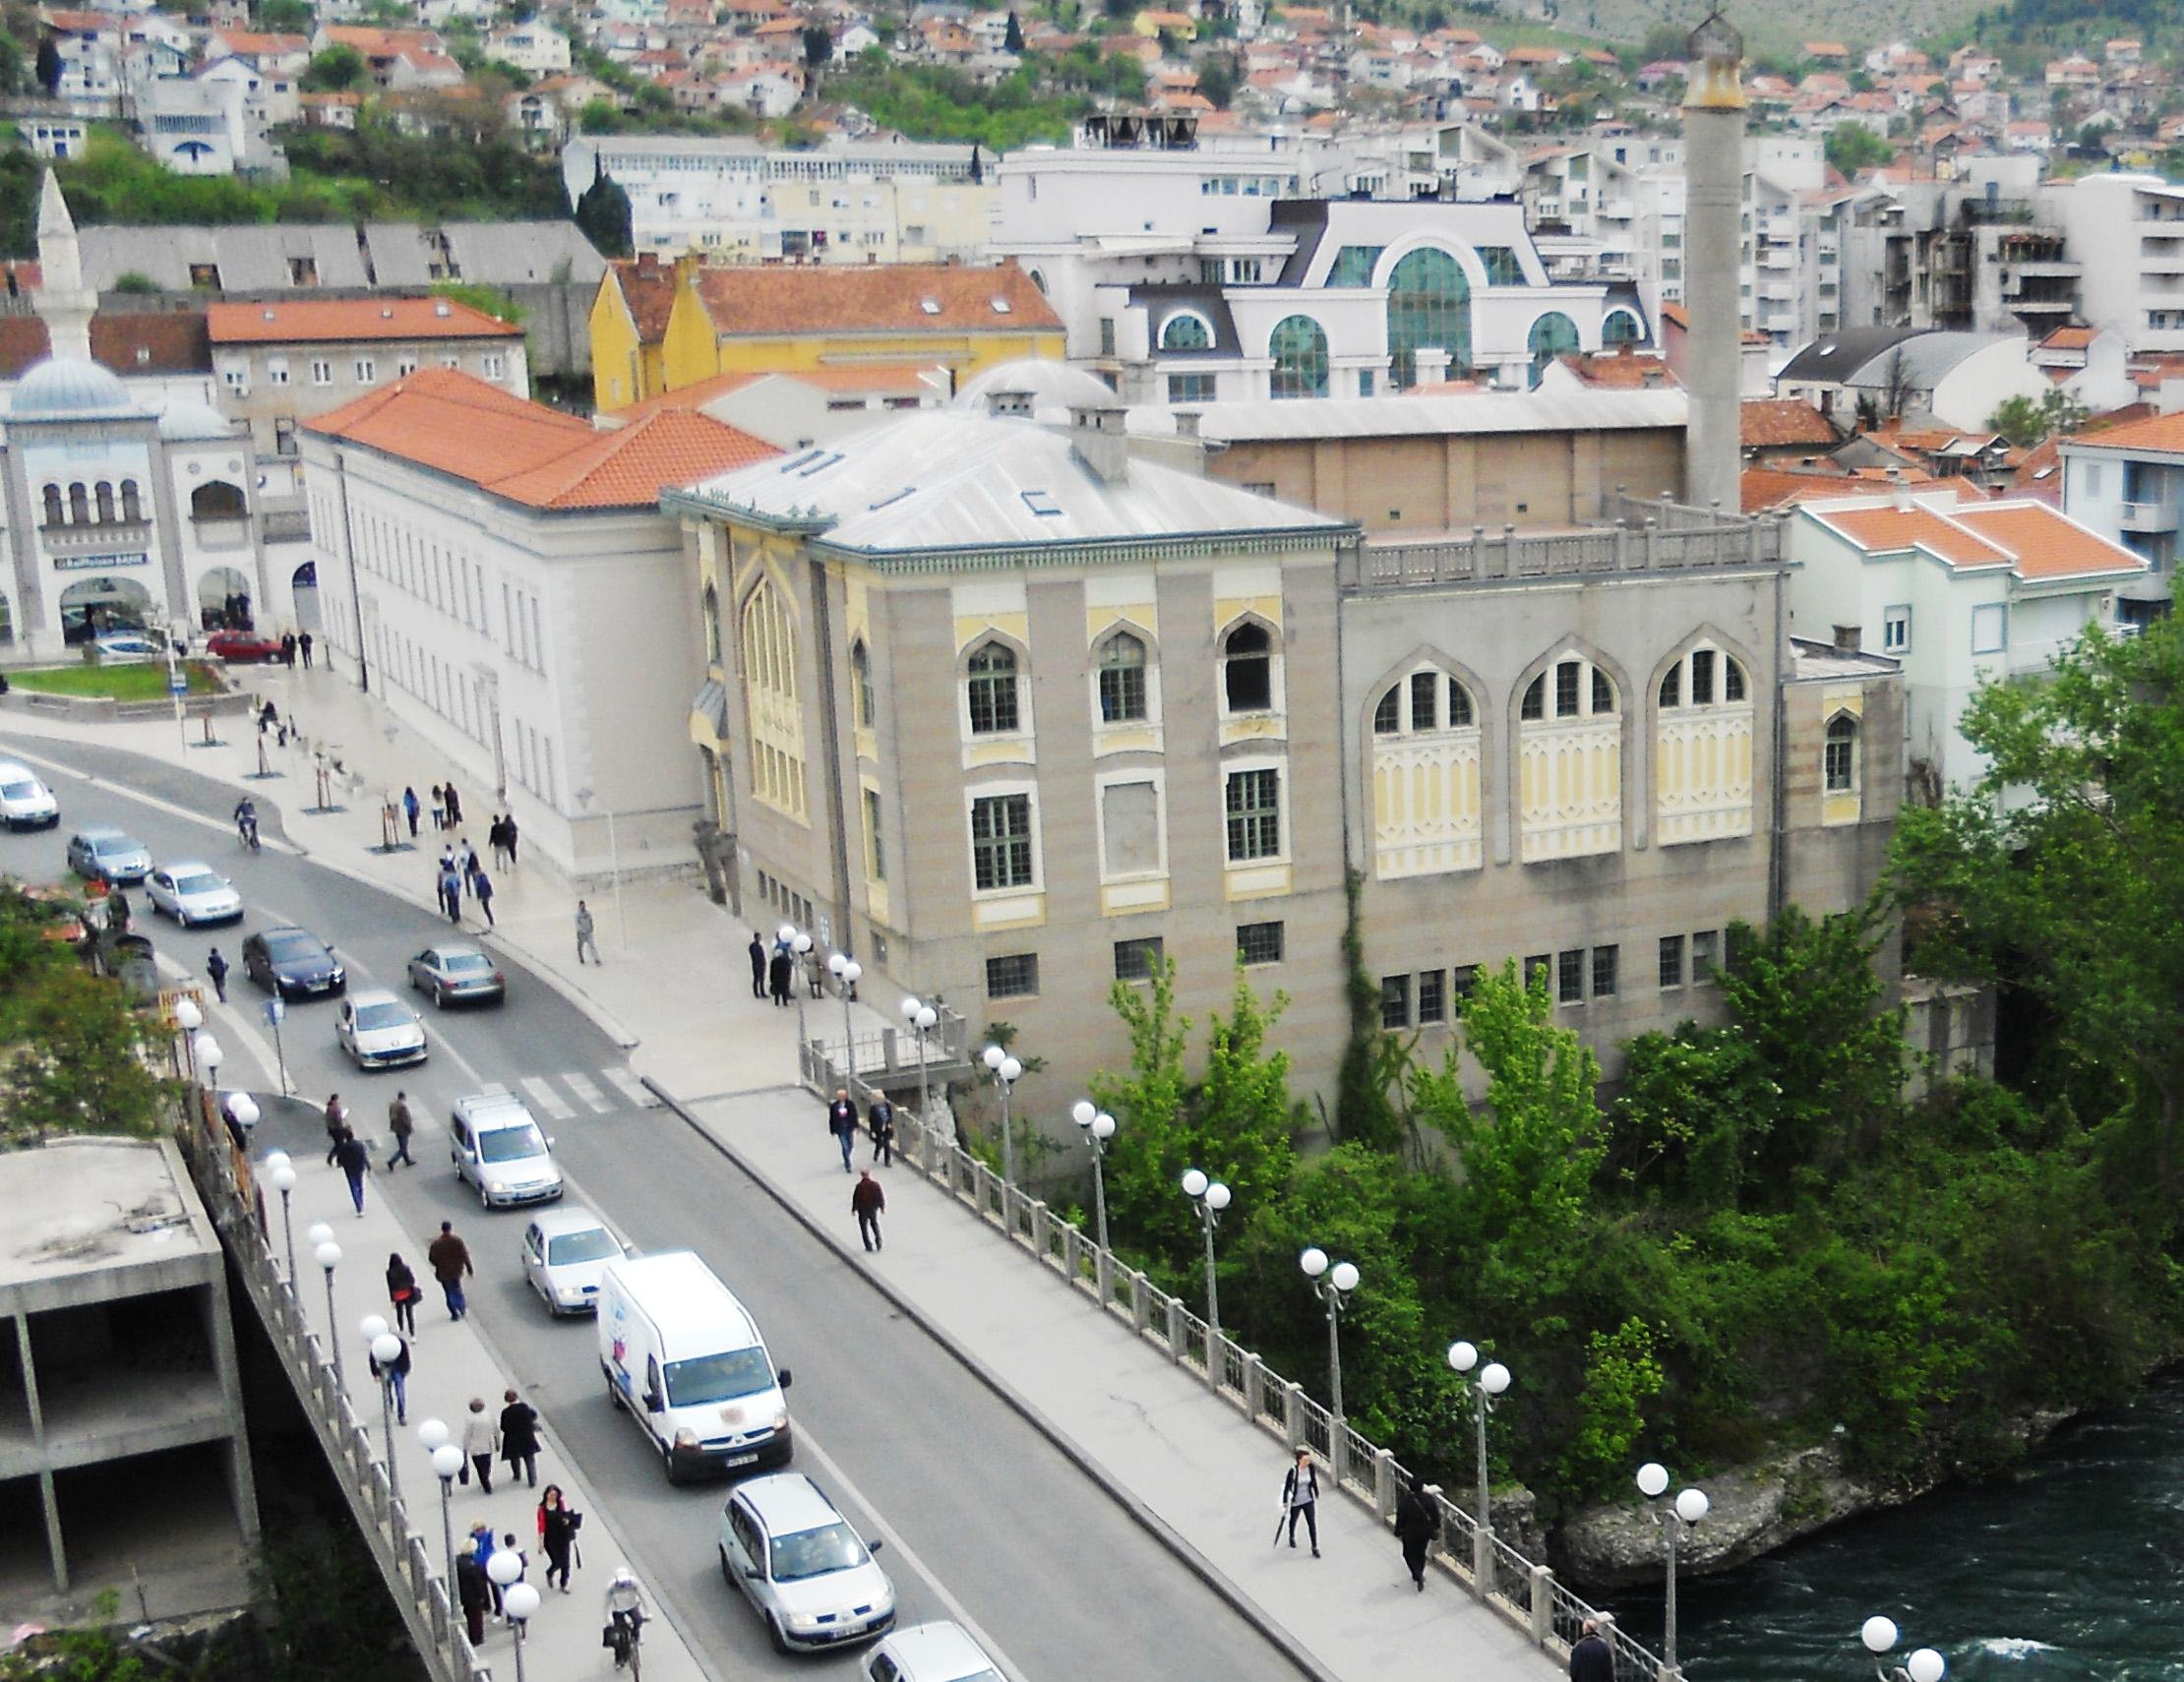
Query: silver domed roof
x=62, y=388
x=1054, y=389
x=185, y=421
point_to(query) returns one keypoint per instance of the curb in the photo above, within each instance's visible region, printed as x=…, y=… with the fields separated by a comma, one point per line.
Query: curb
x=1143, y=1516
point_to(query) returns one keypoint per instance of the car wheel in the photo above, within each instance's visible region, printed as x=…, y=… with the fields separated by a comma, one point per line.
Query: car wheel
x=773, y=1634
x=667, y=1460
x=485, y=1199
x=439, y=996
x=614, y=1390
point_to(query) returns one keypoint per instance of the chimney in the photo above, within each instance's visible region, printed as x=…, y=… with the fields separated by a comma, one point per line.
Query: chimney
x=1846, y=639
x=1186, y=424
x=1713, y=237
x=1097, y=438
x=1004, y=406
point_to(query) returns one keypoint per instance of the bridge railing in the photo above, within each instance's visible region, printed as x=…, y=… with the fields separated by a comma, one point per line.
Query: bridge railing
x=1516, y=1589
x=417, y=1586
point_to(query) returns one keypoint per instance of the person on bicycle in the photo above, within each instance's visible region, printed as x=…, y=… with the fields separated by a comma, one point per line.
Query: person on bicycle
x=246, y=820
x=626, y=1611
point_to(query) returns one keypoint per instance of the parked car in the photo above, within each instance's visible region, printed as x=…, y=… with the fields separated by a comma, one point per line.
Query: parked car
x=377, y=1030
x=802, y=1567
x=191, y=892
x=239, y=647
x=293, y=963
x=25, y=802
x=458, y=972
x=565, y=1251
x=106, y=854
x=939, y=1652
x=498, y=1148
x=127, y=645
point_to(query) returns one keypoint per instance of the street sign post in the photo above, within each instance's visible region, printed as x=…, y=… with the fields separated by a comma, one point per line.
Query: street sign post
x=274, y=1011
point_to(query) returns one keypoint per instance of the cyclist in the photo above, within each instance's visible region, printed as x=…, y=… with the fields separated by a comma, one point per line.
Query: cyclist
x=626, y=1611
x=246, y=822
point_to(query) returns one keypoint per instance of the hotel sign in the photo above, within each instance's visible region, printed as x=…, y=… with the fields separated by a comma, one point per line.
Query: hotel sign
x=99, y=563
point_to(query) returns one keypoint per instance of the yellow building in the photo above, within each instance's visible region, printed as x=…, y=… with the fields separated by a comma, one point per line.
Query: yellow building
x=629, y=330
x=738, y=319
x=1180, y=25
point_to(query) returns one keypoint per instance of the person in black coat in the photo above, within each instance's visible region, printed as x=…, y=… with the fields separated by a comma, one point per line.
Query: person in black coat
x=519, y=1437
x=780, y=977
x=881, y=1120
x=557, y=1524
x=757, y=967
x=1591, y=1659
x=1415, y=1524
x=841, y=1121
x=1300, y=1496
x=473, y=1592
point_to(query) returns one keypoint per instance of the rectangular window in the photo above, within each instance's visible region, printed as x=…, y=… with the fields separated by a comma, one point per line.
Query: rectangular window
x=1604, y=971
x=1243, y=270
x=1896, y=628
x=1106, y=336
x=1569, y=976
x=239, y=381
x=2089, y=472
x=1190, y=388
x=367, y=371
x=322, y=373
x=496, y=366
x=1395, y=1001
x=1001, y=842
x=405, y=366
x=1015, y=976
x=1565, y=689
x=1671, y=961
x=1706, y=946
x=875, y=860
x=1991, y=628
x=1255, y=815
x=1462, y=981
x=1136, y=960
x=1433, y=998
x=276, y=371
x=1535, y=967
x=1367, y=384
x=1259, y=943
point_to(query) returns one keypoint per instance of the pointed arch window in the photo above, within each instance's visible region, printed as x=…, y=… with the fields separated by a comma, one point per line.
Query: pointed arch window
x=1121, y=675
x=712, y=625
x=768, y=639
x=860, y=677
x=1703, y=747
x=1840, y=755
x=1248, y=669
x=1569, y=762
x=989, y=683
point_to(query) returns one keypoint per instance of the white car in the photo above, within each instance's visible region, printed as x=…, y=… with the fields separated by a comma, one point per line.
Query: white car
x=565, y=1251
x=127, y=645
x=25, y=802
x=939, y=1652
x=498, y=1148
x=191, y=891
x=803, y=1570
x=377, y=1030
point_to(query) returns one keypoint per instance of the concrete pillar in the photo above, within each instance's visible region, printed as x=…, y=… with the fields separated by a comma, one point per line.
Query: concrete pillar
x=1542, y=1605
x=53, y=1542
x=1713, y=244
x=242, y=1487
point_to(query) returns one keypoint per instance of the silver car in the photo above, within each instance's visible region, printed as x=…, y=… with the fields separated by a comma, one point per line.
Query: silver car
x=802, y=1567
x=104, y=853
x=457, y=972
x=498, y=1148
x=377, y=1030
x=565, y=1251
x=191, y=891
x=939, y=1652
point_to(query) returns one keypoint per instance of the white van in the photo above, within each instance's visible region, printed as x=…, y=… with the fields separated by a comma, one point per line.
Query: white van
x=685, y=1359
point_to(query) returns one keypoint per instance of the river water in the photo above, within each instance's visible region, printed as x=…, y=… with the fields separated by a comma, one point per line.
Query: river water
x=2069, y=1569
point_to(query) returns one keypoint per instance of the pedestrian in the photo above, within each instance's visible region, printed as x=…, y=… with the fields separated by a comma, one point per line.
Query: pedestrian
x=758, y=966
x=481, y=1547
x=481, y=1441
x=780, y=973
x=451, y=894
x=455, y=806
x=303, y=647
x=519, y=1437
x=449, y=1257
x=337, y=1125
x=814, y=973
x=216, y=966
x=841, y=1121
x=584, y=942
x=557, y=1525
x=409, y=809
x=288, y=649
x=507, y=834
x=402, y=1293
x=492, y=840
x=117, y=910
x=439, y=809
x=472, y=1585
x=523, y=1559
x=1591, y=1659
x=466, y=856
x=269, y=715
x=401, y=1124
x=881, y=1118
x=396, y=1374
x=354, y=1160
x=1300, y=1498
x=481, y=885
x=865, y=1201
x=1415, y=1525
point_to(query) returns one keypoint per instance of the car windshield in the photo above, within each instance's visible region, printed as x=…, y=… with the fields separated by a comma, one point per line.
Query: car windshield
x=292, y=946
x=19, y=791
x=718, y=1377
x=464, y=963
x=111, y=845
x=202, y=882
x=510, y=1144
x=816, y=1553
x=388, y=1015
x=595, y=1245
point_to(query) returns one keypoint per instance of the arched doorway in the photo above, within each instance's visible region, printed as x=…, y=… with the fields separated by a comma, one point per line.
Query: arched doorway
x=107, y=602
x=303, y=590
x=224, y=600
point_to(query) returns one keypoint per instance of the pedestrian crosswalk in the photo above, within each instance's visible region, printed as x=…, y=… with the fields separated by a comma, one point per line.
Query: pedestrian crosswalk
x=566, y=1096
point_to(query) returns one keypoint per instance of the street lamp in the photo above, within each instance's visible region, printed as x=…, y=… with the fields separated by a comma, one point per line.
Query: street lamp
x=1098, y=1126
x=446, y=1466
x=1331, y=1284
x=799, y=943
x=1688, y=1508
x=209, y=1056
x=1005, y=1070
x=386, y=1349
x=1212, y=1197
x=921, y=1016
x=1923, y=1665
x=188, y=1019
x=504, y=1568
x=846, y=971
x=243, y=1110
x=520, y=1602
x=281, y=1175
x=329, y=1256
x=1492, y=1380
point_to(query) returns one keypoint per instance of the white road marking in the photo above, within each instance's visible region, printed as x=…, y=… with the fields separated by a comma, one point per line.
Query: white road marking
x=546, y=1098
x=492, y=1087
x=628, y=1084
x=587, y=1094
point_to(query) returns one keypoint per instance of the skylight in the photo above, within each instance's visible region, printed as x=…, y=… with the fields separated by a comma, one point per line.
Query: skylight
x=1001, y=306
x=931, y=306
x=1040, y=502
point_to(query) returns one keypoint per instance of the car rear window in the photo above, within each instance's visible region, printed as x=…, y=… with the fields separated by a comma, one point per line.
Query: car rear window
x=465, y=963
x=294, y=946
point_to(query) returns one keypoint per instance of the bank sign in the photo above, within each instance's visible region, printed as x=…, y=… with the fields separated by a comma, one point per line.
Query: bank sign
x=99, y=563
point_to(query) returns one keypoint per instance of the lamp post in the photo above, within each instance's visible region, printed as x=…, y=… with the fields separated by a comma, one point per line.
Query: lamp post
x=799, y=943
x=520, y=1602
x=1005, y=1069
x=1098, y=1126
x=504, y=1568
x=209, y=1056
x=386, y=1349
x=242, y=1110
x=329, y=1256
x=1924, y=1664
x=846, y=971
x=188, y=1019
x=446, y=1466
x=1492, y=1380
x=1332, y=1285
x=281, y=1175
x=921, y=1016
x=1212, y=1197
x=1680, y=1515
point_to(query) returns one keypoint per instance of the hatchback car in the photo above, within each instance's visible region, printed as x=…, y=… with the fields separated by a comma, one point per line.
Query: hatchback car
x=104, y=853
x=498, y=1148
x=457, y=972
x=378, y=1031
x=293, y=963
x=565, y=1251
x=939, y=1652
x=802, y=1567
x=241, y=646
x=25, y=802
x=191, y=892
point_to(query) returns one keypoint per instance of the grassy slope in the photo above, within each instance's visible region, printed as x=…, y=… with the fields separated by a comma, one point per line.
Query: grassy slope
x=137, y=680
x=1775, y=26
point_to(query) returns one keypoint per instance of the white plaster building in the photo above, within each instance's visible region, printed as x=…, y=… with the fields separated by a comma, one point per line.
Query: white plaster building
x=2127, y=483
x=2125, y=233
x=536, y=47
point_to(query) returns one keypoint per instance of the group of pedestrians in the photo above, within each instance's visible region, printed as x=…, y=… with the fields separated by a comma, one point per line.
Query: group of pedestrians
x=773, y=972
x=460, y=871
x=868, y=1199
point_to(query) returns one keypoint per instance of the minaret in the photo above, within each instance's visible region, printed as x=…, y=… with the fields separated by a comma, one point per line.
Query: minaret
x=64, y=302
x=1713, y=251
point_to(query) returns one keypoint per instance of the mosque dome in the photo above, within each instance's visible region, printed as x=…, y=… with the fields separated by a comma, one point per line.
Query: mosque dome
x=62, y=388
x=1051, y=388
x=185, y=421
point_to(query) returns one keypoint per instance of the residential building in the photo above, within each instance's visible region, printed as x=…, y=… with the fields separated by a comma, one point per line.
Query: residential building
x=2126, y=236
x=209, y=126
x=811, y=406
x=629, y=330
x=91, y=45
x=521, y=601
x=283, y=363
x=55, y=136
x=2127, y=484
x=1960, y=591
x=535, y=47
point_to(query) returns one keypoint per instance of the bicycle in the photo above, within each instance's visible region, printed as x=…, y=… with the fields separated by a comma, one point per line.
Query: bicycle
x=625, y=1637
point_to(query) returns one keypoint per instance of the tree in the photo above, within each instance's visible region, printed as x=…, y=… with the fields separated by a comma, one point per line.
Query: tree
x=48, y=66
x=1853, y=148
x=76, y=1053
x=603, y=211
x=1217, y=79
x=335, y=71
x=818, y=45
x=1895, y=388
x=284, y=16
x=2025, y=421
x=137, y=282
x=487, y=300
x=1013, y=40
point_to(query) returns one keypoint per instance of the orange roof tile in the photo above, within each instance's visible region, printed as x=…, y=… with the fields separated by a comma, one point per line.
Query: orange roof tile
x=1762, y=489
x=2045, y=544
x=2068, y=339
x=1620, y=371
x=525, y=452
x=1777, y=423
x=325, y=319
x=649, y=292
x=2162, y=433
x=885, y=298
x=1880, y=531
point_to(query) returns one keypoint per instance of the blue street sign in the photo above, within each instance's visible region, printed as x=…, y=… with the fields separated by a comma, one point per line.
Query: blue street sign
x=178, y=684
x=274, y=1011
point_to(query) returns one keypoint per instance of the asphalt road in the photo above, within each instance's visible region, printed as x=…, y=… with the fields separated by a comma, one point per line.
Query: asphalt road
x=983, y=1519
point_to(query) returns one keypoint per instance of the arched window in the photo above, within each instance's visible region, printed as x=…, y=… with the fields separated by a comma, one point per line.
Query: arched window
x=53, y=515
x=1299, y=346
x=1702, y=748
x=104, y=493
x=132, y=503
x=1552, y=335
x=1842, y=755
x=1622, y=328
x=78, y=506
x=1121, y=678
x=776, y=754
x=1428, y=700
x=1185, y=332
x=860, y=677
x=1248, y=669
x=1572, y=695
x=1425, y=777
x=216, y=498
x=1429, y=309
x=1569, y=752
x=712, y=625
x=1705, y=677
x=991, y=688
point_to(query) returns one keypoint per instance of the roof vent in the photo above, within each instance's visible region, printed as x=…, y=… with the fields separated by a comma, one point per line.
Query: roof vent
x=999, y=405
x=439, y=308
x=931, y=306
x=269, y=315
x=1847, y=638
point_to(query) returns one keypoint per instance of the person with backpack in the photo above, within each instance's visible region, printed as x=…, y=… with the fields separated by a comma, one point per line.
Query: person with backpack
x=355, y=1162
x=215, y=967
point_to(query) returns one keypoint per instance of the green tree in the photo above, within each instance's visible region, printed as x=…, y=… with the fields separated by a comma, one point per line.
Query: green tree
x=603, y=210
x=818, y=45
x=77, y=1058
x=136, y=281
x=47, y=66
x=338, y=70
x=1217, y=79
x=1853, y=148
x=2025, y=421
x=490, y=300
x=284, y=16
x=1013, y=39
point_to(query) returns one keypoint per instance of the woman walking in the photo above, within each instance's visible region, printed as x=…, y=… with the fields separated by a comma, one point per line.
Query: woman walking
x=481, y=1440
x=557, y=1524
x=520, y=1438
x=402, y=1293
x=1300, y=1496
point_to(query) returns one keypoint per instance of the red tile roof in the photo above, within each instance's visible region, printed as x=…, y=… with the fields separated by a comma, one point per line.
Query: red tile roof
x=2161, y=433
x=1782, y=423
x=648, y=293
x=22, y=343
x=526, y=453
x=885, y=298
x=871, y=379
x=172, y=343
x=2034, y=541
x=329, y=319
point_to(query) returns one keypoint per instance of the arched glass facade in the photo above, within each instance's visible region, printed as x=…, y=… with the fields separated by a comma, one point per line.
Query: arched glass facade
x=1429, y=309
x=1299, y=346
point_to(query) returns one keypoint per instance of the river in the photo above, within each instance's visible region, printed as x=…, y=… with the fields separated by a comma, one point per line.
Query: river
x=2070, y=1568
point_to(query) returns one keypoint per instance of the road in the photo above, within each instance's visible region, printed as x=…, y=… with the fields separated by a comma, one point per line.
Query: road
x=983, y=1519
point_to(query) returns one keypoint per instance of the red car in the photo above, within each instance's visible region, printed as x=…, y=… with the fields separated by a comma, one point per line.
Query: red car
x=242, y=645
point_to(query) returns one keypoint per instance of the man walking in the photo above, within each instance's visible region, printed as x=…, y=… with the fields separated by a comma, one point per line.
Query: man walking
x=337, y=1125
x=865, y=1201
x=450, y=1259
x=303, y=647
x=780, y=975
x=355, y=1162
x=881, y=1118
x=519, y=1437
x=1591, y=1659
x=288, y=649
x=1416, y=1523
x=481, y=1441
x=1300, y=1496
x=481, y=885
x=401, y=1124
x=758, y=966
x=466, y=856
x=841, y=1121
x=215, y=967
x=451, y=894
x=584, y=942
